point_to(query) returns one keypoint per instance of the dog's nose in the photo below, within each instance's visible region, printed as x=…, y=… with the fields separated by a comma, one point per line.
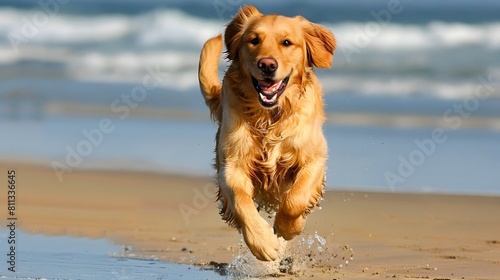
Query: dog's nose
x=267, y=65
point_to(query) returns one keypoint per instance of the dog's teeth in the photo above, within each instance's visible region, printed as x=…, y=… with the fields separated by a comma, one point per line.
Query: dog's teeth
x=265, y=98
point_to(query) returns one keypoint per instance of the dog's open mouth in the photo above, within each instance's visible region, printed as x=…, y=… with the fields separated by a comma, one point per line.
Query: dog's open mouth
x=269, y=90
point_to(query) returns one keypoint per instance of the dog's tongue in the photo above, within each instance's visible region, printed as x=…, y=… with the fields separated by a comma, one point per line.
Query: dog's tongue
x=269, y=86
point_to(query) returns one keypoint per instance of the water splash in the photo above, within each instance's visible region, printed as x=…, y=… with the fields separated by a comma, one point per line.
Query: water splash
x=321, y=241
x=246, y=265
x=295, y=257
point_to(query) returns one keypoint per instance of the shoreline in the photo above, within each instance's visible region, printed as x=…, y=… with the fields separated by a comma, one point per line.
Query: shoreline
x=403, y=236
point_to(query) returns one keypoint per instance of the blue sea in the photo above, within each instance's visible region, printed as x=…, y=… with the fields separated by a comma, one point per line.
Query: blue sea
x=413, y=97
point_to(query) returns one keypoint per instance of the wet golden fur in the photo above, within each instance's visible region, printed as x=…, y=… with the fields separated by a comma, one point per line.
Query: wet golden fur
x=275, y=156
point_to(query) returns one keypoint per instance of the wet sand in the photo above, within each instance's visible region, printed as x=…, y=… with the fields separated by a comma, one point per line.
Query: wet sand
x=174, y=218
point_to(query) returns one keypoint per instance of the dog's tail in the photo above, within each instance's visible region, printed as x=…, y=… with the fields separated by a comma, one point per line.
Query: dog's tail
x=210, y=84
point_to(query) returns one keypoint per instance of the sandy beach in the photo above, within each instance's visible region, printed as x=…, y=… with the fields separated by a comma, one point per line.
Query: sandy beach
x=354, y=236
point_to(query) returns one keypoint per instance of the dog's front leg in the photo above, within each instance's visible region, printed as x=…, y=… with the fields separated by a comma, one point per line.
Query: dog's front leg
x=237, y=190
x=300, y=199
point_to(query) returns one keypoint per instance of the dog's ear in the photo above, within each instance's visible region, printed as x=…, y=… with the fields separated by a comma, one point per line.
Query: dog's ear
x=320, y=44
x=234, y=31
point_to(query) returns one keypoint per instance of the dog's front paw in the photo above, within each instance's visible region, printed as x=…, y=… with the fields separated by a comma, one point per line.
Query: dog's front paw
x=262, y=242
x=288, y=227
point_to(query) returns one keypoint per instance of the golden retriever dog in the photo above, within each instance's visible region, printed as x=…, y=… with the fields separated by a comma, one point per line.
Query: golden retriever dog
x=270, y=149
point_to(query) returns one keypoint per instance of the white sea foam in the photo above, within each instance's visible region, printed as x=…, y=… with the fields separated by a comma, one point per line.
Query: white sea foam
x=174, y=27
x=153, y=28
x=434, y=35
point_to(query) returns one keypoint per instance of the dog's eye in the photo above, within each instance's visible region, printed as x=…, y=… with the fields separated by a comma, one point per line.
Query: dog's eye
x=287, y=43
x=254, y=41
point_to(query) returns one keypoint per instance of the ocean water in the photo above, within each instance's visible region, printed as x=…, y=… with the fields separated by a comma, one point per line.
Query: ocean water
x=113, y=85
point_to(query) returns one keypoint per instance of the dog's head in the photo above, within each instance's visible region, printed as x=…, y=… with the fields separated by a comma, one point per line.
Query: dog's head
x=275, y=51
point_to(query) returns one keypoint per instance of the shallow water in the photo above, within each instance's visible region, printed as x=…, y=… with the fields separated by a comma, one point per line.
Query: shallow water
x=62, y=257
